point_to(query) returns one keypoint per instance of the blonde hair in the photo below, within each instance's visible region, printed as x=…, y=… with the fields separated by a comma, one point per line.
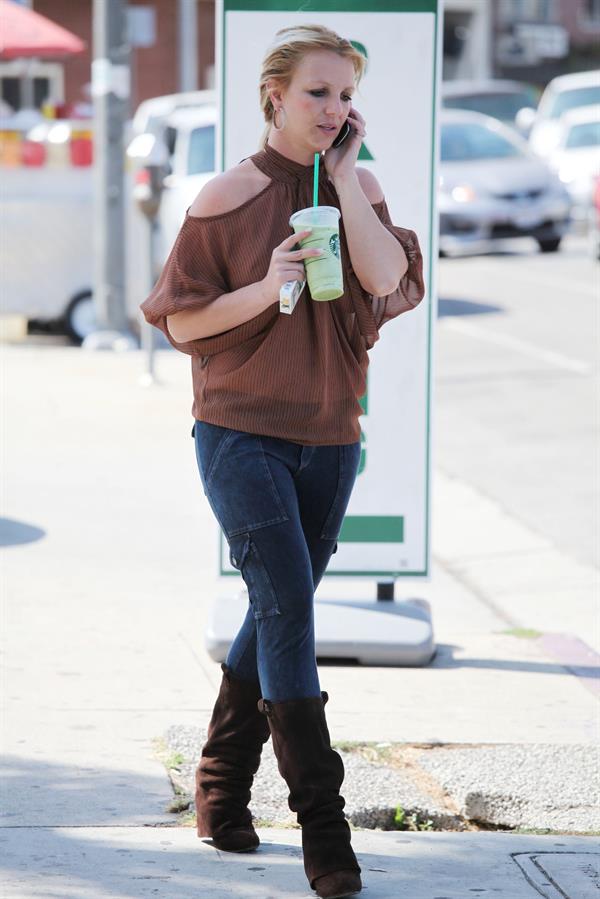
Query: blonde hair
x=288, y=49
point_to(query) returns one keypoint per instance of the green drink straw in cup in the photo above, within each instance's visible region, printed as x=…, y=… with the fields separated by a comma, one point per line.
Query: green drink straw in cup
x=324, y=272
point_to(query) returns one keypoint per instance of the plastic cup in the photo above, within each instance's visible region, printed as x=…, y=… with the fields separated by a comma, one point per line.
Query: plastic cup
x=323, y=273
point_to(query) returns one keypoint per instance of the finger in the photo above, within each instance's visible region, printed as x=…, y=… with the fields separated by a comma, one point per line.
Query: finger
x=359, y=125
x=305, y=253
x=293, y=274
x=293, y=266
x=294, y=238
x=297, y=267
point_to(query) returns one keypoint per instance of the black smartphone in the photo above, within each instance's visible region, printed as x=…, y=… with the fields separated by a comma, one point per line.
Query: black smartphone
x=342, y=134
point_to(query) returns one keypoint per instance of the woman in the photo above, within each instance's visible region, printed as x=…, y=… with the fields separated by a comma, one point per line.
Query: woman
x=276, y=408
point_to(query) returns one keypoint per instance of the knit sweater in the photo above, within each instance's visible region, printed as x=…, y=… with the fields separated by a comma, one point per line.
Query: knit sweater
x=298, y=377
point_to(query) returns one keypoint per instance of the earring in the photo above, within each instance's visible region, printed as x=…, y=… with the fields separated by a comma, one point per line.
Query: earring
x=282, y=126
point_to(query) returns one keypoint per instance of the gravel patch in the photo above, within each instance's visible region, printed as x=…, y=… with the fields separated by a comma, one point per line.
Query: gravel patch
x=373, y=791
x=513, y=785
x=533, y=786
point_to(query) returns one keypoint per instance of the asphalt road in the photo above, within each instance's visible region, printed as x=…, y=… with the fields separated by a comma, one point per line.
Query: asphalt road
x=517, y=404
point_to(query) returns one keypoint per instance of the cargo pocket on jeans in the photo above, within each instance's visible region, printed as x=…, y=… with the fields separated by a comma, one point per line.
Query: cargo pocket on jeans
x=244, y=555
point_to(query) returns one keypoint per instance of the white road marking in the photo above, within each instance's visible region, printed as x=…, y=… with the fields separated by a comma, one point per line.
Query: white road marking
x=521, y=346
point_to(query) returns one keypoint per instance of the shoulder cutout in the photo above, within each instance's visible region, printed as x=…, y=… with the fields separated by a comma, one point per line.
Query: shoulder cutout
x=227, y=191
x=370, y=185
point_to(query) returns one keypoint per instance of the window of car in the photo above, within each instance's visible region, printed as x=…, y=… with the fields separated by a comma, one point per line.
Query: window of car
x=503, y=106
x=586, y=134
x=201, y=155
x=469, y=140
x=580, y=96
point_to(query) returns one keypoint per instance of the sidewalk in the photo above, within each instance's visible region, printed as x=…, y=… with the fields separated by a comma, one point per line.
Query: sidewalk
x=126, y=862
x=110, y=579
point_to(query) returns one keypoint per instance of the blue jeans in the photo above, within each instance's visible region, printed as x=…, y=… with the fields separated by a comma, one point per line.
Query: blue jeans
x=281, y=506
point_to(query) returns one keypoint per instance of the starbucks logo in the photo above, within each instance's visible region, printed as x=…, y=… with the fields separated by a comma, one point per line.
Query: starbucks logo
x=334, y=245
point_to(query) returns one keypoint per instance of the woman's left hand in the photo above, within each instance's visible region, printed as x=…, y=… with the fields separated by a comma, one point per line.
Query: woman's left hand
x=340, y=161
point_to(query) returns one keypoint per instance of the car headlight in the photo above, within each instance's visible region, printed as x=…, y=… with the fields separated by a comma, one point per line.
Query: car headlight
x=567, y=173
x=463, y=193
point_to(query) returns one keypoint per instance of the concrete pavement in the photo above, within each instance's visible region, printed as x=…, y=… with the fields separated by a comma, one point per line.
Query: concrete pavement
x=109, y=573
x=127, y=863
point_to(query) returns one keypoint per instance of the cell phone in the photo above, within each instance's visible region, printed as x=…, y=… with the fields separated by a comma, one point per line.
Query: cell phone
x=342, y=134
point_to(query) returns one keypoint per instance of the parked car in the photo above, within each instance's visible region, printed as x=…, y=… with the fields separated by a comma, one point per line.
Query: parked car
x=494, y=97
x=192, y=163
x=150, y=116
x=46, y=218
x=493, y=187
x=179, y=137
x=576, y=159
x=561, y=95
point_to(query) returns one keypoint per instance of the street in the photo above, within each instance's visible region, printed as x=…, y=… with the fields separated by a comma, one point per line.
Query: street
x=516, y=402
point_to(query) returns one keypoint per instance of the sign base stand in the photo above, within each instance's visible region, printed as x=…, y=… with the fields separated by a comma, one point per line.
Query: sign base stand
x=368, y=631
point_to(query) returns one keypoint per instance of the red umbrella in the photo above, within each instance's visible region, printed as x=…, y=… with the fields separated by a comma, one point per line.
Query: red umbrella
x=24, y=32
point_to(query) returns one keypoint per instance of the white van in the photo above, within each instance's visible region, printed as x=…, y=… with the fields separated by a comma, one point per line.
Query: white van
x=46, y=210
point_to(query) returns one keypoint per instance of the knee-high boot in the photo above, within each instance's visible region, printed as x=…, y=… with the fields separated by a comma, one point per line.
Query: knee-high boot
x=314, y=773
x=229, y=761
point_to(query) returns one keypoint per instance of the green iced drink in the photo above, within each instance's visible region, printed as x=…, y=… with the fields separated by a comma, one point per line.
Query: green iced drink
x=323, y=273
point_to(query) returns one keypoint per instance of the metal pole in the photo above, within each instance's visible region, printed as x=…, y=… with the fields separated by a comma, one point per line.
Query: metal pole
x=385, y=591
x=110, y=89
x=147, y=331
x=188, y=45
x=27, y=94
x=486, y=40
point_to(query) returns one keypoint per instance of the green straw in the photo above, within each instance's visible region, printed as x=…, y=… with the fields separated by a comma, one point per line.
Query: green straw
x=316, y=181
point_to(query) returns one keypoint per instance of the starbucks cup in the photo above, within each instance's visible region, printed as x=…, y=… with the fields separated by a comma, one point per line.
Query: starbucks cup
x=323, y=273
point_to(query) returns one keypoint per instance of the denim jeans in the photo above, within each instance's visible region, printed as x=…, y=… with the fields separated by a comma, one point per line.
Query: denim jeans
x=281, y=506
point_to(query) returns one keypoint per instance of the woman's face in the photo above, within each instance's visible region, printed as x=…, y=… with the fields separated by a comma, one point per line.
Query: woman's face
x=320, y=94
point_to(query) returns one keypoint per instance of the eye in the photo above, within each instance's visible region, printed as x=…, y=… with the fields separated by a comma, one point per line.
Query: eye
x=320, y=91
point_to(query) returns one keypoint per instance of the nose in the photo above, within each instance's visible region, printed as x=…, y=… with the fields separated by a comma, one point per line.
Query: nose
x=334, y=108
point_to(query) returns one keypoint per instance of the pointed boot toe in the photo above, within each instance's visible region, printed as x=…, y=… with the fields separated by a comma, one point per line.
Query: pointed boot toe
x=244, y=839
x=338, y=885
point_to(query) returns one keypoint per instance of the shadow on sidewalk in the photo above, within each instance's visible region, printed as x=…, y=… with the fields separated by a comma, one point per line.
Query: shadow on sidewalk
x=444, y=658
x=65, y=834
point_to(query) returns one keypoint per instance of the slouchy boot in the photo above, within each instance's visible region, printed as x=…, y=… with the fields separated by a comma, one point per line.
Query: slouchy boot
x=314, y=773
x=229, y=761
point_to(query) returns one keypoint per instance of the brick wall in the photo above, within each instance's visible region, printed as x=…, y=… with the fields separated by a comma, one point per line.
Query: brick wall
x=154, y=69
x=572, y=18
x=77, y=17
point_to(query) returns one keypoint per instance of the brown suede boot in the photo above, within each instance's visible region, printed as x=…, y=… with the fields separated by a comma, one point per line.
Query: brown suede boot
x=314, y=773
x=229, y=761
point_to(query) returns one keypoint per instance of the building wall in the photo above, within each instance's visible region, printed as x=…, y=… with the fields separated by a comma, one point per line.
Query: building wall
x=577, y=23
x=77, y=17
x=154, y=69
x=467, y=39
x=584, y=35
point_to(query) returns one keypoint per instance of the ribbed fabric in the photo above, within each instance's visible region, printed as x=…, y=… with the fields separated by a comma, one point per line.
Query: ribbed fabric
x=298, y=377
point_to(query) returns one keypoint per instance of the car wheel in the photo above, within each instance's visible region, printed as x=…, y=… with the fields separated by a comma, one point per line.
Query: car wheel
x=80, y=316
x=549, y=246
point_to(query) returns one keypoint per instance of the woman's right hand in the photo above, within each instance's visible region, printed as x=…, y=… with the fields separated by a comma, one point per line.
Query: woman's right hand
x=286, y=265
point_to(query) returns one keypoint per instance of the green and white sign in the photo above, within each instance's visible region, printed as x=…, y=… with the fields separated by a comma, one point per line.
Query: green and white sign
x=387, y=529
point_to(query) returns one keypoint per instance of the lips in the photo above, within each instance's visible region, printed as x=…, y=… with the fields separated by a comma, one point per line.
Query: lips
x=328, y=128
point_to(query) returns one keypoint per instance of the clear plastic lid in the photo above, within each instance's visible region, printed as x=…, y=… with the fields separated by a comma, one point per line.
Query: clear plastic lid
x=315, y=216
